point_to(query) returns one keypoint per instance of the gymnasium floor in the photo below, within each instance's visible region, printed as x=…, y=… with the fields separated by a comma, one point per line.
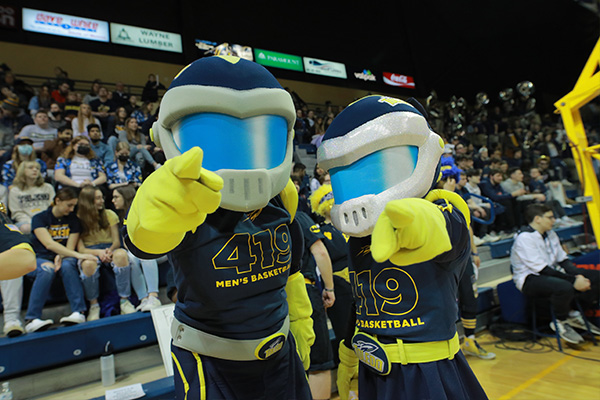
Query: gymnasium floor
x=520, y=372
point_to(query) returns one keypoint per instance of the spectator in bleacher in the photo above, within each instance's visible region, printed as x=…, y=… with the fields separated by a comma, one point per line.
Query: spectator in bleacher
x=28, y=195
x=492, y=189
x=464, y=161
x=12, y=120
x=309, y=120
x=79, y=166
x=121, y=116
x=40, y=101
x=102, y=150
x=516, y=160
x=54, y=148
x=143, y=113
x=60, y=95
x=144, y=273
x=150, y=91
x=537, y=185
x=123, y=171
x=316, y=180
x=472, y=185
x=515, y=183
x=71, y=107
x=132, y=105
x=140, y=150
x=119, y=96
x=18, y=87
x=22, y=151
x=55, y=235
x=61, y=76
x=55, y=117
x=541, y=268
x=93, y=93
x=83, y=119
x=300, y=129
x=493, y=164
x=104, y=109
x=551, y=176
x=100, y=237
x=40, y=131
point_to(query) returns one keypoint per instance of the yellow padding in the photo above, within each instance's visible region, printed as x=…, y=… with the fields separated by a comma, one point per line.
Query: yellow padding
x=344, y=274
x=309, y=281
x=416, y=353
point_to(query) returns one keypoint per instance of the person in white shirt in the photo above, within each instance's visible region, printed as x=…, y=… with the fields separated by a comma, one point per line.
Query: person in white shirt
x=541, y=268
x=40, y=131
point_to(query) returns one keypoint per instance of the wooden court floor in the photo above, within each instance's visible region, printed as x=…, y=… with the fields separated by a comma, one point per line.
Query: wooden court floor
x=520, y=371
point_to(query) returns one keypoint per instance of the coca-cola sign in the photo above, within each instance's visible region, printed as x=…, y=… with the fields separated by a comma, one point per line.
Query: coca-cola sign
x=389, y=78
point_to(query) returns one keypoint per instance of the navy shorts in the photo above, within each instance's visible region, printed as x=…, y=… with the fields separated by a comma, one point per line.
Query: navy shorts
x=202, y=377
x=438, y=380
x=321, y=353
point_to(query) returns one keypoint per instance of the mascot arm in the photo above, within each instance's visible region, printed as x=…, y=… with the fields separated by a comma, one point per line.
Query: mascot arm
x=173, y=200
x=300, y=311
x=411, y=231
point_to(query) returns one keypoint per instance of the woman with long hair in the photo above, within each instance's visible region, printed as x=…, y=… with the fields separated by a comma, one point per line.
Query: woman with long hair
x=143, y=113
x=140, y=150
x=144, y=273
x=83, y=119
x=123, y=171
x=28, y=195
x=100, y=237
x=55, y=235
x=93, y=93
x=22, y=151
x=79, y=165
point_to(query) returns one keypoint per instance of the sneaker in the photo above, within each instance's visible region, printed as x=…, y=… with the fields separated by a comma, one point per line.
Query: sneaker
x=94, y=312
x=38, y=325
x=472, y=348
x=566, y=332
x=575, y=321
x=478, y=241
x=73, y=319
x=142, y=304
x=127, y=307
x=151, y=303
x=570, y=221
x=487, y=238
x=157, y=166
x=13, y=328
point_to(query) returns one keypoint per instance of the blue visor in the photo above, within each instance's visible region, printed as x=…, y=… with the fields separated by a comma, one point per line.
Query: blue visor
x=233, y=143
x=374, y=173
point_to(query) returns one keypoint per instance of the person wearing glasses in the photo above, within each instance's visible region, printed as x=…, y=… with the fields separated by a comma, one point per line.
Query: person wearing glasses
x=541, y=268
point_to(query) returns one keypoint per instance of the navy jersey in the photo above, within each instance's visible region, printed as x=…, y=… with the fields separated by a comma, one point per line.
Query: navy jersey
x=232, y=271
x=311, y=232
x=337, y=247
x=416, y=303
x=59, y=229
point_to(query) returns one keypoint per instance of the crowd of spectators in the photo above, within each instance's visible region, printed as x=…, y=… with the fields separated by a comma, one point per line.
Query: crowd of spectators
x=71, y=161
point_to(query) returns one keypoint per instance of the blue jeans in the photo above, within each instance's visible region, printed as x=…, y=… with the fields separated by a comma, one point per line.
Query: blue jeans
x=144, y=275
x=141, y=156
x=91, y=284
x=44, y=276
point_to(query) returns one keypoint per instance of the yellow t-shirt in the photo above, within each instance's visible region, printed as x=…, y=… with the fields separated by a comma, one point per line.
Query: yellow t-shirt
x=101, y=236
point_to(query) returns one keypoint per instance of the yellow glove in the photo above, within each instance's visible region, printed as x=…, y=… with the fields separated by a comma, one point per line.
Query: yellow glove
x=409, y=231
x=173, y=200
x=300, y=311
x=347, y=374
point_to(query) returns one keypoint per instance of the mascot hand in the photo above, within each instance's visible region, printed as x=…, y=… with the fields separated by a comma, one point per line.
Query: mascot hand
x=347, y=374
x=173, y=200
x=300, y=311
x=409, y=231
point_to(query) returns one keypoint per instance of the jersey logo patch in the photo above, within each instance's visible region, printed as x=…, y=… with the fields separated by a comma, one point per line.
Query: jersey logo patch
x=371, y=353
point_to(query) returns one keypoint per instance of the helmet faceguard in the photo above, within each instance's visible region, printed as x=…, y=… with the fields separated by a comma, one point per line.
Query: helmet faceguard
x=378, y=149
x=237, y=112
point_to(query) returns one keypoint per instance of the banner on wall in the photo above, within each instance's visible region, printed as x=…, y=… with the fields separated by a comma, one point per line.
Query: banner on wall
x=392, y=79
x=278, y=60
x=324, y=67
x=52, y=23
x=147, y=38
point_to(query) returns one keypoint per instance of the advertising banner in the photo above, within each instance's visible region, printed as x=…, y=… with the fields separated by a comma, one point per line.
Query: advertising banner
x=365, y=75
x=326, y=68
x=52, y=23
x=278, y=60
x=148, y=38
x=389, y=78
